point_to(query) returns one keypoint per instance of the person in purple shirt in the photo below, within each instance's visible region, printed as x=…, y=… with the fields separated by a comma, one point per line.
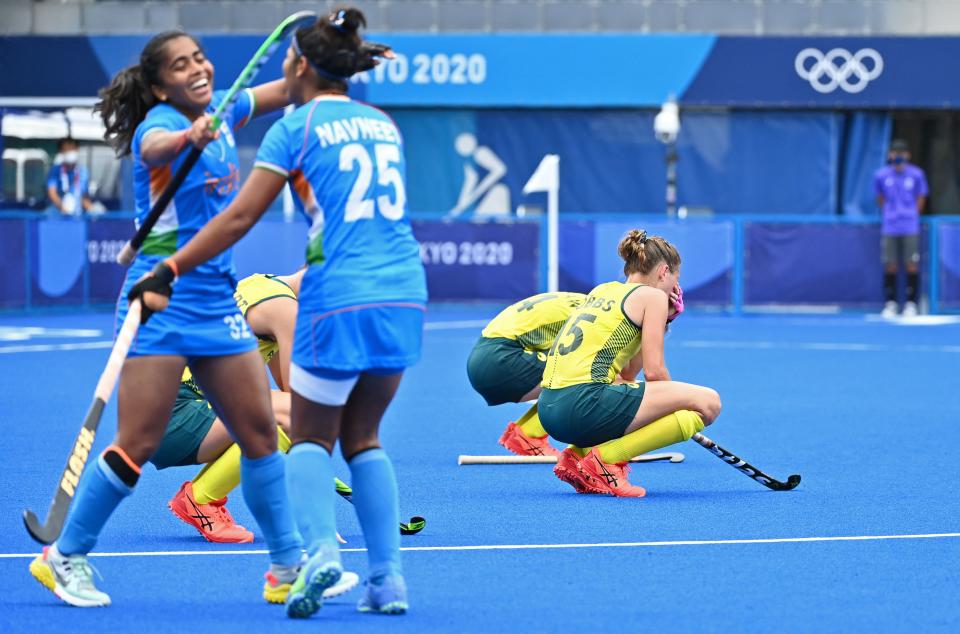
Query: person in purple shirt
x=901, y=189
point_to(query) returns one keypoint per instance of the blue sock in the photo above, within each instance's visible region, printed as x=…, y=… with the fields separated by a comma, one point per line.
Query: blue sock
x=378, y=509
x=309, y=474
x=100, y=492
x=265, y=491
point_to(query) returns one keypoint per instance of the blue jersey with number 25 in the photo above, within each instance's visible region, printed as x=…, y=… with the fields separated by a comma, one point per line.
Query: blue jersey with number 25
x=344, y=161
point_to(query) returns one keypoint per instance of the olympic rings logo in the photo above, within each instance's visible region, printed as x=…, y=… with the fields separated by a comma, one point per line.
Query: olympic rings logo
x=838, y=68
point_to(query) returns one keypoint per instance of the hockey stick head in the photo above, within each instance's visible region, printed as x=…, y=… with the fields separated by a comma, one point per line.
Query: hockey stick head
x=38, y=531
x=414, y=526
x=789, y=485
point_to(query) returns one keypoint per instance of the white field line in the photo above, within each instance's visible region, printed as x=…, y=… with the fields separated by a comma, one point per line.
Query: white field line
x=826, y=347
x=455, y=325
x=704, y=542
x=23, y=333
x=94, y=345
x=56, y=347
x=693, y=343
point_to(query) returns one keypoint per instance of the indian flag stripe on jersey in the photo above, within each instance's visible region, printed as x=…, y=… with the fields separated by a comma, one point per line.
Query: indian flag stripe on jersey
x=162, y=239
x=315, y=253
x=271, y=167
x=160, y=243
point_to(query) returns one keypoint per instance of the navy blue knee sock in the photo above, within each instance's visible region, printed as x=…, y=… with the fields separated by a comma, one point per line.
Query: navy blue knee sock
x=913, y=287
x=889, y=287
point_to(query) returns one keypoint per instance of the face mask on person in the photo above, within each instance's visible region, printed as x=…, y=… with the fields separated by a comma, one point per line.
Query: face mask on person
x=70, y=158
x=899, y=159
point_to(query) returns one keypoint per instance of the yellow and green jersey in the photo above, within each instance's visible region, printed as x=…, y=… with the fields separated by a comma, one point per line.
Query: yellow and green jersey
x=251, y=291
x=596, y=342
x=534, y=322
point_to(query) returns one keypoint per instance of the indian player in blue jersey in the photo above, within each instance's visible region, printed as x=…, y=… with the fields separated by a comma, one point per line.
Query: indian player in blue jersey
x=361, y=303
x=153, y=111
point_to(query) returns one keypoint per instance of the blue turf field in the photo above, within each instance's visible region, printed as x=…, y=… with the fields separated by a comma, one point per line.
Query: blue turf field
x=865, y=410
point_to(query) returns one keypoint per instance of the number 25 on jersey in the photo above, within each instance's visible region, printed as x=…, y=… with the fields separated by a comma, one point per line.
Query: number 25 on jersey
x=387, y=157
x=571, y=328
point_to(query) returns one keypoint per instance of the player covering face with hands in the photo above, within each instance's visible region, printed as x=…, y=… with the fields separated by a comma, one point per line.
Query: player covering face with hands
x=362, y=298
x=589, y=396
x=506, y=364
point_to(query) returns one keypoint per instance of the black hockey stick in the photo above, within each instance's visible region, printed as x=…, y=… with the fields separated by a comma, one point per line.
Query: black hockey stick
x=747, y=469
x=414, y=526
x=48, y=532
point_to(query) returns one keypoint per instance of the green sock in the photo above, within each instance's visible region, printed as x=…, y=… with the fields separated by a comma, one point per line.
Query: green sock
x=579, y=451
x=670, y=429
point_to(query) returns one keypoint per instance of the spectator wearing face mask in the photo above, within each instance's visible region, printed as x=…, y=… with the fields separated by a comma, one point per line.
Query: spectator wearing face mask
x=901, y=189
x=68, y=181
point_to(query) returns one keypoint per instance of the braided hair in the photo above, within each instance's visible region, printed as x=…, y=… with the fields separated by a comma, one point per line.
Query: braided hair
x=334, y=49
x=125, y=102
x=642, y=253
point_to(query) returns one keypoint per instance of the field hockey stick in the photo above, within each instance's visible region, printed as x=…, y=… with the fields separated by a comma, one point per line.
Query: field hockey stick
x=48, y=532
x=747, y=469
x=269, y=46
x=672, y=456
x=414, y=526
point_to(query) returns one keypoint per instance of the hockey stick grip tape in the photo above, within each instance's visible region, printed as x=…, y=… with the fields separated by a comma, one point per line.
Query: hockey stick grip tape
x=108, y=379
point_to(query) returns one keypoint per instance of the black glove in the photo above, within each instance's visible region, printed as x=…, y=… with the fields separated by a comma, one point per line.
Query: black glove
x=159, y=280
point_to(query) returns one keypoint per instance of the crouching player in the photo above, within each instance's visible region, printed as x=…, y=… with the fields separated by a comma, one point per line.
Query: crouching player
x=506, y=364
x=196, y=436
x=617, y=331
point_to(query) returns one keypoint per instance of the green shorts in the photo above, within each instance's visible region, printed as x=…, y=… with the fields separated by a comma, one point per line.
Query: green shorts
x=501, y=371
x=189, y=424
x=589, y=413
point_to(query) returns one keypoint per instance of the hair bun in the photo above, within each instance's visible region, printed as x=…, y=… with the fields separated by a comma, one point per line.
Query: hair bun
x=347, y=21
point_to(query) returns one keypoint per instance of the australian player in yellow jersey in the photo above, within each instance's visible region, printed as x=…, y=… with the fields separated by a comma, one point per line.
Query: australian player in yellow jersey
x=589, y=398
x=506, y=364
x=195, y=435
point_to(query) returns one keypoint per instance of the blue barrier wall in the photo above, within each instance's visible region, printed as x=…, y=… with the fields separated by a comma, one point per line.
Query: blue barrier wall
x=945, y=273
x=729, y=263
